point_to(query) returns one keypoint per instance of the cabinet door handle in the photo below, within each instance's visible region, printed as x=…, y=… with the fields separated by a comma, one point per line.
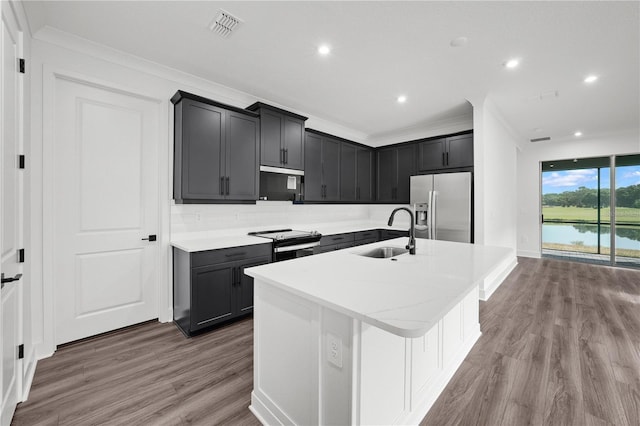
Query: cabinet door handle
x=447, y=158
x=443, y=162
x=238, y=253
x=227, y=184
x=222, y=185
x=282, y=155
x=286, y=156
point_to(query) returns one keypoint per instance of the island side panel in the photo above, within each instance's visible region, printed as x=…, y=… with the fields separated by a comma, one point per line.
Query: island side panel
x=401, y=378
x=286, y=357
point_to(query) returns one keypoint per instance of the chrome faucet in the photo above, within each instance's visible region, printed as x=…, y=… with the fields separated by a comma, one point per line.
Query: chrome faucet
x=412, y=230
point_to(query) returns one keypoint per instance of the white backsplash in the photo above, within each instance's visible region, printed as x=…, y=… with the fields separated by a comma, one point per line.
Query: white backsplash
x=272, y=214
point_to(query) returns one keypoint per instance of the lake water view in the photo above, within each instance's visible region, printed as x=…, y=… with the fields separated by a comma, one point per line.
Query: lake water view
x=626, y=238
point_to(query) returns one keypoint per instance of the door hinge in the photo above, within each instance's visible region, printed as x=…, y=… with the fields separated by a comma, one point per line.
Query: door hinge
x=21, y=161
x=21, y=352
x=21, y=65
x=21, y=256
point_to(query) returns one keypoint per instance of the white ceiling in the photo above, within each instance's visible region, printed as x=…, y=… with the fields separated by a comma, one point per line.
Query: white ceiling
x=383, y=49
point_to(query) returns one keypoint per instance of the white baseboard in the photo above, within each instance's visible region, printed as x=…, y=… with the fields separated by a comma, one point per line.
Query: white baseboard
x=493, y=281
x=262, y=411
x=528, y=253
x=166, y=315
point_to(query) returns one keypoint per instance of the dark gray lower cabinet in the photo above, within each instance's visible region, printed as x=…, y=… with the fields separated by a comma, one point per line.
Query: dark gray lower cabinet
x=389, y=234
x=210, y=287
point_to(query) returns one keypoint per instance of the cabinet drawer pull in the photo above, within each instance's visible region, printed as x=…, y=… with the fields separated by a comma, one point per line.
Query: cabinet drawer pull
x=239, y=253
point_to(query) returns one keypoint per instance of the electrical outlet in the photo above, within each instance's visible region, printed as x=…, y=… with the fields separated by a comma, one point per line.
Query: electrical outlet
x=334, y=350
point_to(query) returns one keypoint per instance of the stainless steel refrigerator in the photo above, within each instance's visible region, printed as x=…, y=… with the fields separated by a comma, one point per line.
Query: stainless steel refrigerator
x=442, y=206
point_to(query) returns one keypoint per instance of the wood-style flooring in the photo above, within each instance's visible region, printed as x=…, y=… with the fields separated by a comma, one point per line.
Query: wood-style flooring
x=560, y=346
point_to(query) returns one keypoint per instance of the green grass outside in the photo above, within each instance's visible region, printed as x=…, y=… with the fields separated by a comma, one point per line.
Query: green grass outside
x=581, y=214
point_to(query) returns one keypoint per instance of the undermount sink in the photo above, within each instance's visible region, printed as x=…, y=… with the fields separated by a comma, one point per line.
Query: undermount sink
x=384, y=252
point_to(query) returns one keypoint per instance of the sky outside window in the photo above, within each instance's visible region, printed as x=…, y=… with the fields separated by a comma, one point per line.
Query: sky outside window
x=569, y=180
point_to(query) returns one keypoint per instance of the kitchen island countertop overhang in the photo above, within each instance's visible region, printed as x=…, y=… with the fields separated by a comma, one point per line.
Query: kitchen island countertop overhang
x=405, y=296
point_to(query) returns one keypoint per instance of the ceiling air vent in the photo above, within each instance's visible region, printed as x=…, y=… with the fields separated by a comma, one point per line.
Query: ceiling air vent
x=546, y=138
x=224, y=23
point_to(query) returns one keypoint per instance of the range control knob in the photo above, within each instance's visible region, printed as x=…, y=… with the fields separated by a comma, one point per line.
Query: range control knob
x=314, y=233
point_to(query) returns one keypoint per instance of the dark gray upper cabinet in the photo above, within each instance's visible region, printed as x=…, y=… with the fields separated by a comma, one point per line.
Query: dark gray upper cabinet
x=395, y=166
x=282, y=137
x=313, y=186
x=242, y=157
x=446, y=153
x=406, y=168
x=216, y=151
x=322, y=168
x=387, y=169
x=331, y=169
x=348, y=171
x=364, y=175
x=460, y=151
x=356, y=173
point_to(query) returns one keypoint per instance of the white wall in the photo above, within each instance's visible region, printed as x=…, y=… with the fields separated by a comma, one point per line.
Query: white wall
x=528, y=161
x=495, y=146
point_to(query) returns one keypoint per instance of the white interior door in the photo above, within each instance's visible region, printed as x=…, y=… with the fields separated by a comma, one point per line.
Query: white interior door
x=105, y=203
x=11, y=229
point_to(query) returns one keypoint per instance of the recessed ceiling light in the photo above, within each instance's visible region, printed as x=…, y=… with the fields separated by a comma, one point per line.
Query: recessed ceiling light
x=512, y=63
x=575, y=160
x=459, y=42
x=577, y=134
x=551, y=165
x=324, y=49
x=590, y=78
x=401, y=99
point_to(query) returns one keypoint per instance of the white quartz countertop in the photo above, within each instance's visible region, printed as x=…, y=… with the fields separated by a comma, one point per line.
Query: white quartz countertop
x=406, y=296
x=213, y=240
x=217, y=242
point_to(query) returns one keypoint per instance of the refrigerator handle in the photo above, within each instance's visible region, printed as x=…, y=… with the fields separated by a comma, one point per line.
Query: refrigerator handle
x=433, y=221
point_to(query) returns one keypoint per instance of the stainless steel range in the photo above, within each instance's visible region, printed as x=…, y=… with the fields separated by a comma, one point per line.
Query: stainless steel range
x=290, y=244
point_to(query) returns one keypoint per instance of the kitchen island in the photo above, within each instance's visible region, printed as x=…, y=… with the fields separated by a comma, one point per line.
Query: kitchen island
x=341, y=338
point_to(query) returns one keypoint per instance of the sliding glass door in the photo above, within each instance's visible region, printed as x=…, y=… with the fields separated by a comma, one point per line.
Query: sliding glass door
x=627, y=210
x=576, y=209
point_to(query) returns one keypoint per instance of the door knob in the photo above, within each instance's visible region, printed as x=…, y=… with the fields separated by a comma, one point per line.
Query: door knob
x=150, y=238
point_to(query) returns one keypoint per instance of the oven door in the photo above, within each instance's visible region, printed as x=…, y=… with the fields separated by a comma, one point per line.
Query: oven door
x=293, y=252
